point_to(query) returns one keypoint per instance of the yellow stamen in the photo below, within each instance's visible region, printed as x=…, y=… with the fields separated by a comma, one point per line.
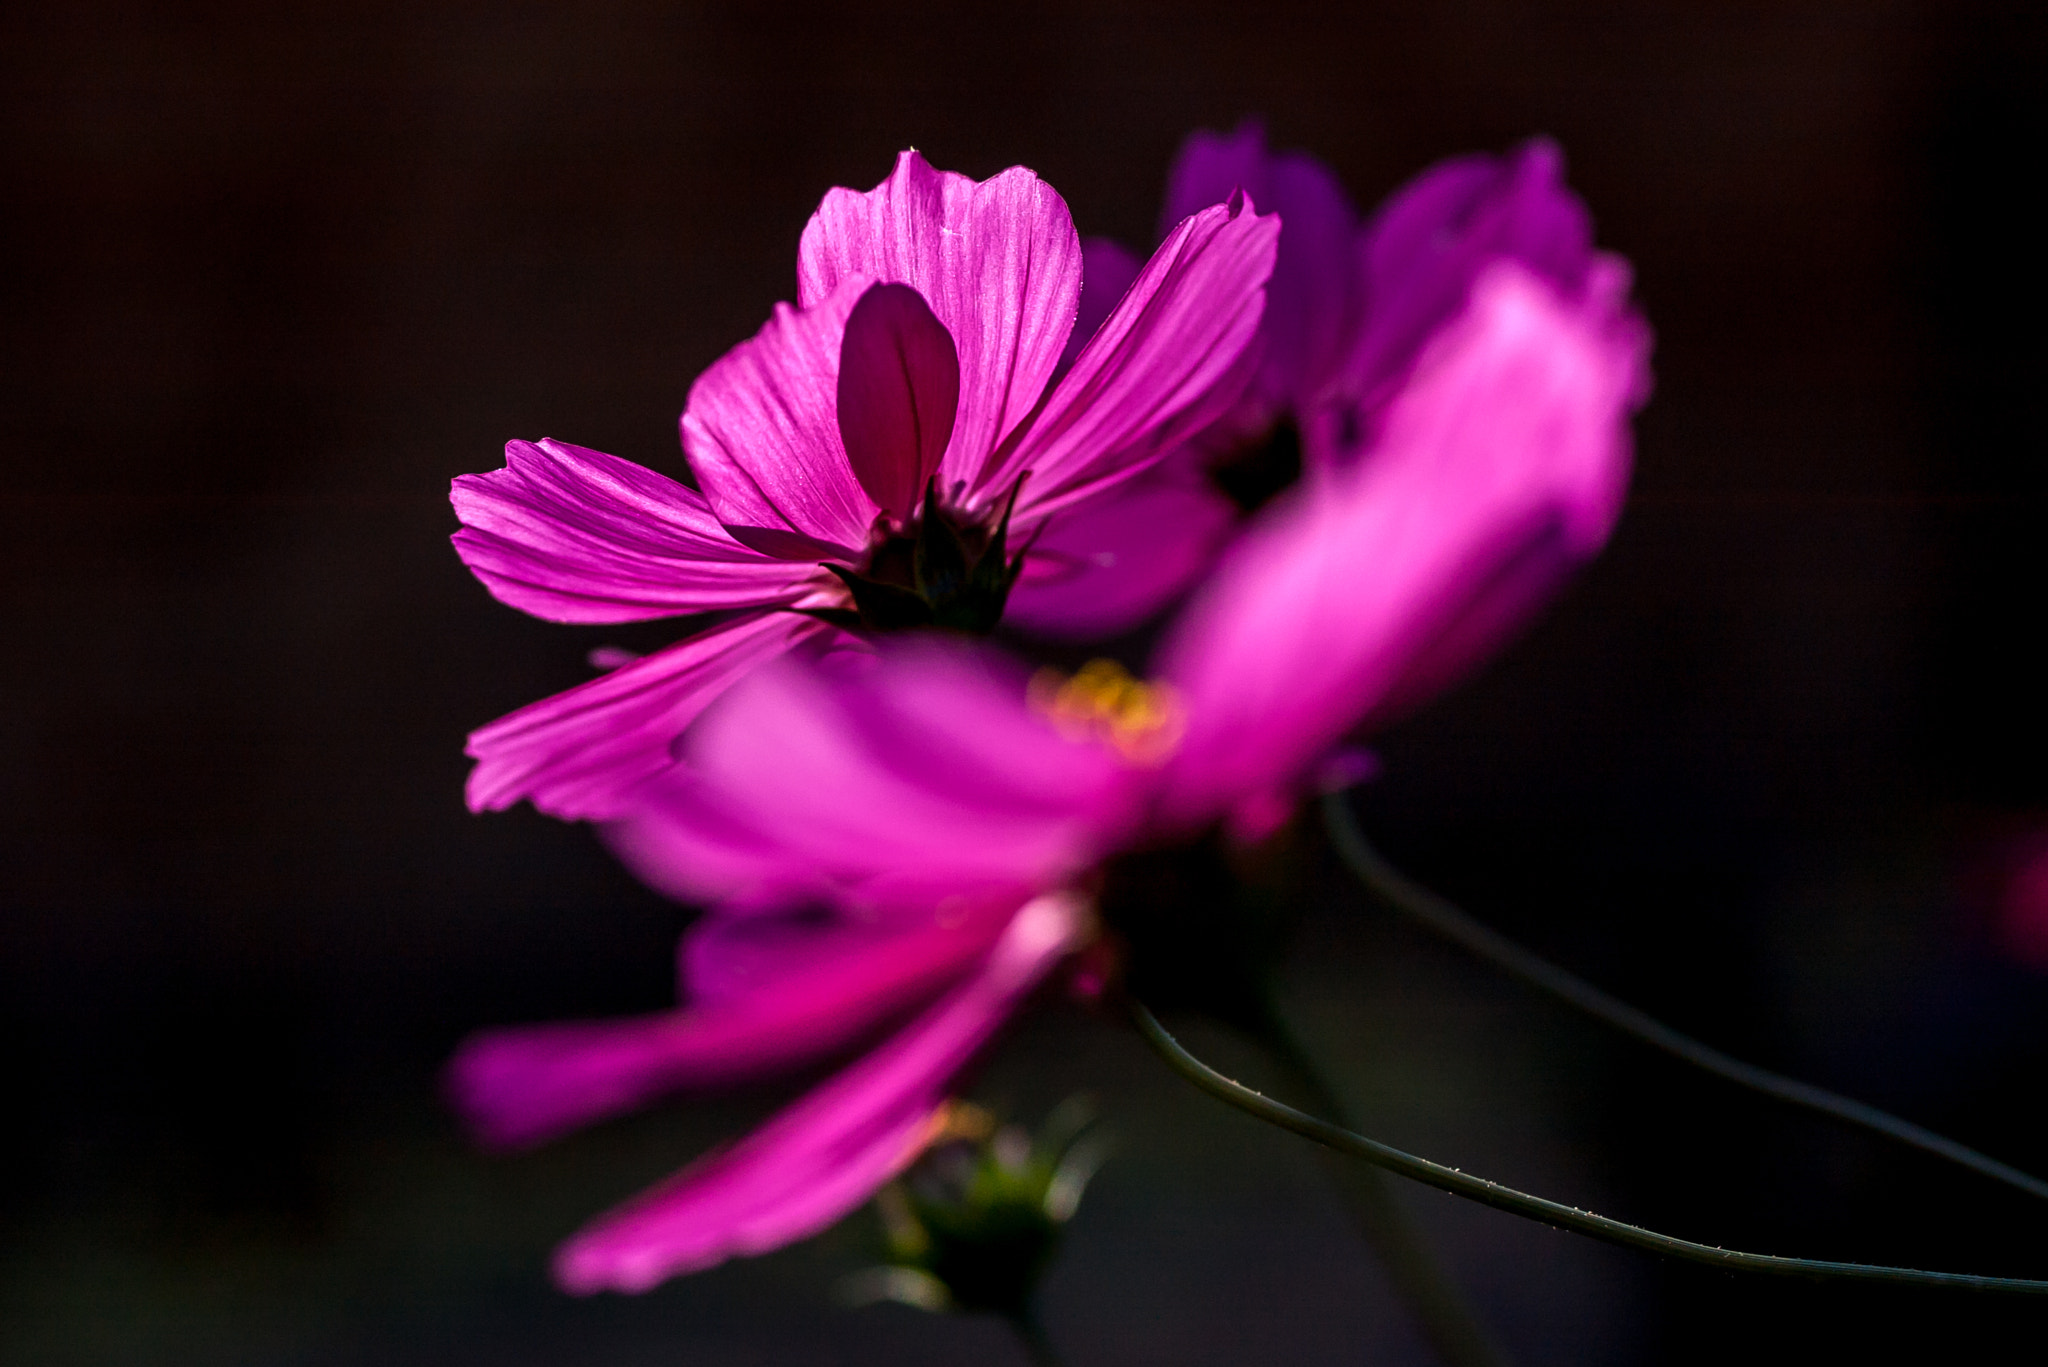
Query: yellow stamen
x=1103, y=702
x=964, y=1120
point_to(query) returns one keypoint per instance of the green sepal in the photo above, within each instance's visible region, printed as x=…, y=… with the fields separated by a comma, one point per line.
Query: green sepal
x=846, y=619
x=883, y=607
x=993, y=575
x=939, y=566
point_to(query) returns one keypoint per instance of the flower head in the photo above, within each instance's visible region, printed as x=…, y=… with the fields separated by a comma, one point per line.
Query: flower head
x=868, y=459
x=937, y=789
x=912, y=828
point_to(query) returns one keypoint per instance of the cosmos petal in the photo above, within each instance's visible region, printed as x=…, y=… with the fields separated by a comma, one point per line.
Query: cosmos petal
x=1314, y=299
x=1105, y=566
x=998, y=261
x=1504, y=457
x=577, y=755
x=821, y=1157
x=761, y=430
x=1421, y=252
x=785, y=993
x=575, y=535
x=1159, y=369
x=1107, y=270
x=912, y=777
x=899, y=390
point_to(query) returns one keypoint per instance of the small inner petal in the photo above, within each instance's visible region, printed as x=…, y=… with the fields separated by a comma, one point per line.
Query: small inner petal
x=899, y=392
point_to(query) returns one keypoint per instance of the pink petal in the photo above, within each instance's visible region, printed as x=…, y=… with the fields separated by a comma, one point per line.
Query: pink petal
x=682, y=838
x=899, y=389
x=1506, y=456
x=820, y=1158
x=578, y=754
x=778, y=1005
x=1170, y=360
x=1111, y=563
x=1426, y=245
x=762, y=432
x=1314, y=299
x=1108, y=268
x=731, y=959
x=999, y=263
x=918, y=778
x=574, y=535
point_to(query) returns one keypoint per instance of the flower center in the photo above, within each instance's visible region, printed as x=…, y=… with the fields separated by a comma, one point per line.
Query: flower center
x=1102, y=702
x=943, y=573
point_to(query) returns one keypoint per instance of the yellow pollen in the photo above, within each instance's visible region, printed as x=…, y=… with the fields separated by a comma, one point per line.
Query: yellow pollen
x=1103, y=702
x=959, y=1119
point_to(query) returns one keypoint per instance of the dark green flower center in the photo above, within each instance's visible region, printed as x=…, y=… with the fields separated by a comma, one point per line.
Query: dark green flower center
x=944, y=572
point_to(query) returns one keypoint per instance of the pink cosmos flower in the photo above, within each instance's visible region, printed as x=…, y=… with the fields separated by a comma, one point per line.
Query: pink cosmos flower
x=944, y=807
x=1349, y=308
x=872, y=452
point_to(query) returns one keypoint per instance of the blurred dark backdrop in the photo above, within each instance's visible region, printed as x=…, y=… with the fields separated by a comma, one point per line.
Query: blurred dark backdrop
x=275, y=273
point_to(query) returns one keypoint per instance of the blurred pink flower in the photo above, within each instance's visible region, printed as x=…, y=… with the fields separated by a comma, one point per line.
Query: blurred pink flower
x=1351, y=305
x=1349, y=308
x=932, y=315
x=935, y=797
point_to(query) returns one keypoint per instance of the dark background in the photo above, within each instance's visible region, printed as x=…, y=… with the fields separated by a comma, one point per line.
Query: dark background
x=274, y=273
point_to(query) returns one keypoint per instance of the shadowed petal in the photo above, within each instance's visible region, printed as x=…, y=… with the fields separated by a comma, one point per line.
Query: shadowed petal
x=913, y=777
x=899, y=389
x=680, y=837
x=762, y=432
x=1425, y=246
x=1158, y=370
x=784, y=993
x=574, y=535
x=1107, y=565
x=999, y=263
x=1313, y=301
x=823, y=1156
x=579, y=753
x=1505, y=458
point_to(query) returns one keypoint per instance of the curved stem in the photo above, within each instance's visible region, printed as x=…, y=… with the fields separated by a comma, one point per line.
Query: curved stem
x=1536, y=1207
x=1440, y=1309
x=1432, y=912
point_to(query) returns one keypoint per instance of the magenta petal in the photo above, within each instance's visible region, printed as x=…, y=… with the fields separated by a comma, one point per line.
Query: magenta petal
x=820, y=1158
x=1158, y=370
x=728, y=961
x=1427, y=244
x=1107, y=269
x=578, y=754
x=1107, y=565
x=920, y=778
x=762, y=432
x=574, y=535
x=1313, y=301
x=777, y=1004
x=679, y=836
x=899, y=389
x=1506, y=454
x=999, y=263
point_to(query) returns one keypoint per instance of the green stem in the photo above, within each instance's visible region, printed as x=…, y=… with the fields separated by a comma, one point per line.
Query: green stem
x=1433, y=913
x=1439, y=1308
x=1536, y=1207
